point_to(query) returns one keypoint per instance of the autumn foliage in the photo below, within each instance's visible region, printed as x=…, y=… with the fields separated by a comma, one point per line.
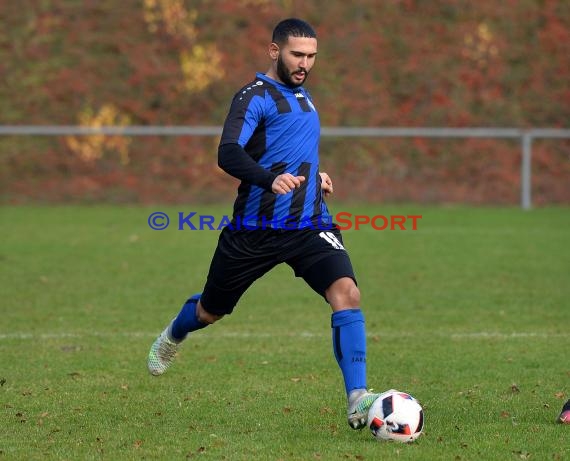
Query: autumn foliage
x=437, y=63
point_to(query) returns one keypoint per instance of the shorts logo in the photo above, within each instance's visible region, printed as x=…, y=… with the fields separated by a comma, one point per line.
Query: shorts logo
x=331, y=238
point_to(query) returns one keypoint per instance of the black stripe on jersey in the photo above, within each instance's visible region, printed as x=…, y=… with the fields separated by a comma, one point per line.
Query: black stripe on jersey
x=257, y=144
x=304, y=104
x=236, y=116
x=255, y=147
x=241, y=201
x=319, y=195
x=281, y=102
x=299, y=194
x=268, y=199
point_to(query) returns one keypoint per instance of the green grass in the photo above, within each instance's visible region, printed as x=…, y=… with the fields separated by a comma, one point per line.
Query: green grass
x=470, y=314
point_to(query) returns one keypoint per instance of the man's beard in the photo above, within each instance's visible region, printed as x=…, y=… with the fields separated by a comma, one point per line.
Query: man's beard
x=285, y=76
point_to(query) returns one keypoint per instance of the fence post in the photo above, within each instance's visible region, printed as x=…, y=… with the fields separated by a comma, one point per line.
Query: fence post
x=526, y=199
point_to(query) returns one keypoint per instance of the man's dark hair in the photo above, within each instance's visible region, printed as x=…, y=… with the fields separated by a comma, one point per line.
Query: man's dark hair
x=291, y=27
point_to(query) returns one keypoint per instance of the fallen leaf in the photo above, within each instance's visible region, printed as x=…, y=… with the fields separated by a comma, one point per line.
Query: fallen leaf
x=70, y=348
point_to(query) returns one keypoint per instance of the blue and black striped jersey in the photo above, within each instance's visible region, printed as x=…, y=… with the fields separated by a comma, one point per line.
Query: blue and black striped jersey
x=278, y=126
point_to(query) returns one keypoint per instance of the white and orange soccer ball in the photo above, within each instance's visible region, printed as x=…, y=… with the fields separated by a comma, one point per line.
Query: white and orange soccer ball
x=397, y=416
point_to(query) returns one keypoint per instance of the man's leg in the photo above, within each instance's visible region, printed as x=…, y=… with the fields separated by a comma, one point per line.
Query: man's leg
x=349, y=345
x=238, y=261
x=324, y=264
x=348, y=332
x=190, y=318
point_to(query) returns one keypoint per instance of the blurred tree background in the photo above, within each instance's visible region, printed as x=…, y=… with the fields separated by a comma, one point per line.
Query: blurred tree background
x=437, y=63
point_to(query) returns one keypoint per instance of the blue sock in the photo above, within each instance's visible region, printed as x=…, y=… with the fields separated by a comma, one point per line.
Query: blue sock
x=349, y=344
x=186, y=321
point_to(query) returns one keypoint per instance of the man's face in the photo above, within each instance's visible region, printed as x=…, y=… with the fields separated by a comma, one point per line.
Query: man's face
x=296, y=59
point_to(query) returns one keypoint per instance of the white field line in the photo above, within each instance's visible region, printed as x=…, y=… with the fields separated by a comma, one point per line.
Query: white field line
x=480, y=335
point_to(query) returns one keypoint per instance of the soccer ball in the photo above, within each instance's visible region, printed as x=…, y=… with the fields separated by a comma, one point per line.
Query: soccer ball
x=395, y=415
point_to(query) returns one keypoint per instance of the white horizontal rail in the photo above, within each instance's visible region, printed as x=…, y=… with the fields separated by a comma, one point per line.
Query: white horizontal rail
x=387, y=132
x=145, y=130
x=525, y=135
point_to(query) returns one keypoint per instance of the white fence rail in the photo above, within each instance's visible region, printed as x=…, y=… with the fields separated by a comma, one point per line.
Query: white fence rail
x=526, y=137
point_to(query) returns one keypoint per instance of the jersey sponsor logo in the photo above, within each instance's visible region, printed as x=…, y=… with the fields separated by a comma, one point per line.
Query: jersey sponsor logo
x=300, y=96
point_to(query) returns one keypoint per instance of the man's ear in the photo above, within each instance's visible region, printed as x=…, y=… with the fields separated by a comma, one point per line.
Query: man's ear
x=274, y=51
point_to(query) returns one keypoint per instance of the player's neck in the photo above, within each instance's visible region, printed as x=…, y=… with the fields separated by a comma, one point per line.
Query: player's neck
x=273, y=75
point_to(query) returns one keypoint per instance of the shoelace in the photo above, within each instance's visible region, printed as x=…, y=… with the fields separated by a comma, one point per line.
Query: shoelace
x=166, y=350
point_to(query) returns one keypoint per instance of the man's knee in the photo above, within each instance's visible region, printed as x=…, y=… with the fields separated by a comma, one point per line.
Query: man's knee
x=204, y=316
x=343, y=294
x=352, y=294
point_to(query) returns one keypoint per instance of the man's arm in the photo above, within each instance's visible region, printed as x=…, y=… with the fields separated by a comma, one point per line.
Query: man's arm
x=235, y=161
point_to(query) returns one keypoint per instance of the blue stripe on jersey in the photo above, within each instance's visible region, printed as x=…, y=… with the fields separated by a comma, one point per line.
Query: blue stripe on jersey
x=279, y=127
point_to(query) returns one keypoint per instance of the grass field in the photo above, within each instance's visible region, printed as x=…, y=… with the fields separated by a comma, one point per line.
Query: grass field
x=470, y=314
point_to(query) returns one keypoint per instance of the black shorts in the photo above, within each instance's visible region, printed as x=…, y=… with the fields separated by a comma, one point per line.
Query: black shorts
x=243, y=256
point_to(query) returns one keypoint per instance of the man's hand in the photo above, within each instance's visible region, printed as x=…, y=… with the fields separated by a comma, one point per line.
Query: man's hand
x=285, y=183
x=326, y=184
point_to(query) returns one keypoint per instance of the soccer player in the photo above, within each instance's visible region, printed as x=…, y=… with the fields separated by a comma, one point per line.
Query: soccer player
x=270, y=142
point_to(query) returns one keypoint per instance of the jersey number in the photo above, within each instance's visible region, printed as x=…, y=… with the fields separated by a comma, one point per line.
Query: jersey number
x=331, y=238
